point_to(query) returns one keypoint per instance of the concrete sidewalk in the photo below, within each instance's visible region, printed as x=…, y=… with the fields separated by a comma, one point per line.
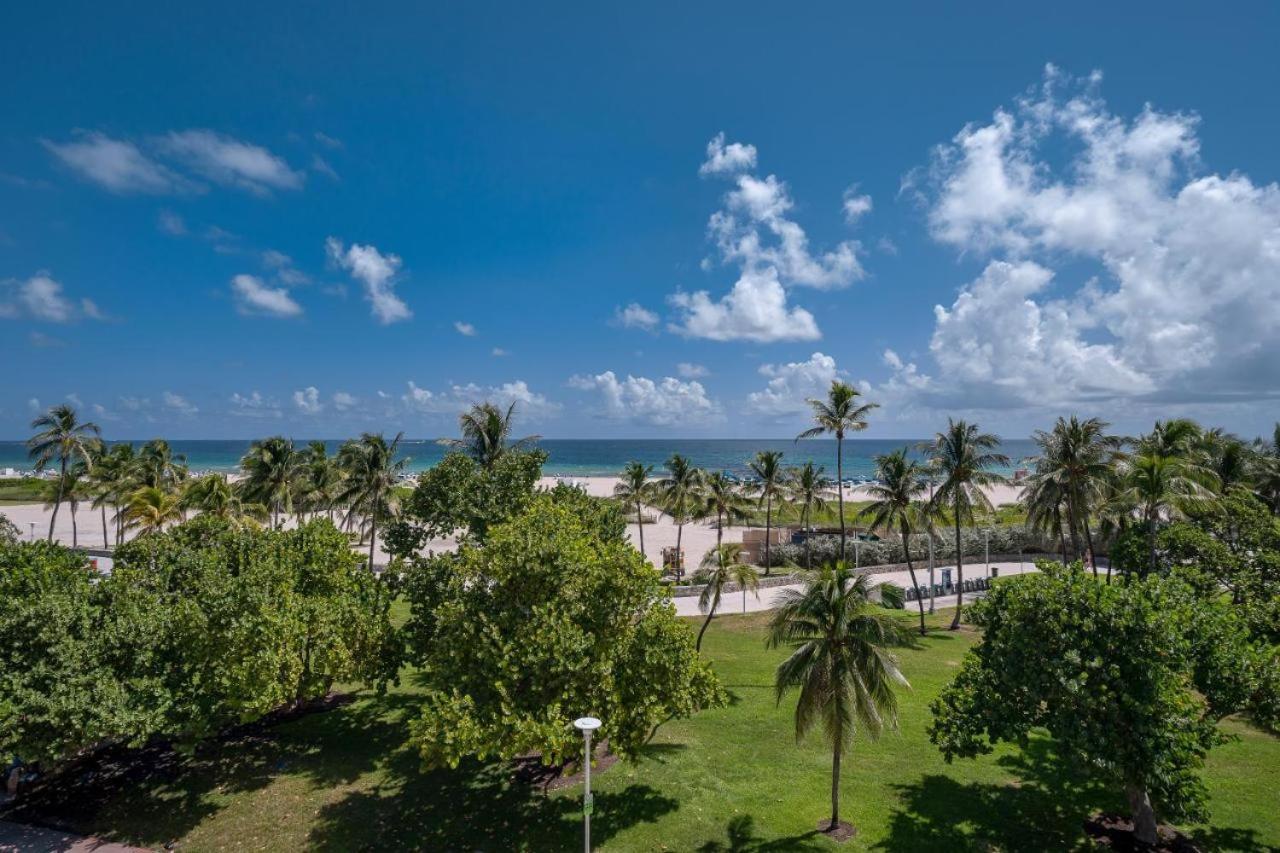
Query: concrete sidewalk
x=20, y=838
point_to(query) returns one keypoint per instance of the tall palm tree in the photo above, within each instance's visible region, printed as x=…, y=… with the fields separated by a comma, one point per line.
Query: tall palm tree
x=68, y=488
x=726, y=566
x=322, y=478
x=1175, y=437
x=808, y=489
x=486, y=433
x=722, y=498
x=634, y=488
x=97, y=482
x=115, y=473
x=1230, y=459
x=767, y=466
x=1043, y=497
x=1076, y=459
x=679, y=492
x=896, y=503
x=839, y=414
x=372, y=472
x=63, y=437
x=158, y=466
x=840, y=662
x=962, y=456
x=1163, y=487
x=273, y=469
x=213, y=495
x=150, y=508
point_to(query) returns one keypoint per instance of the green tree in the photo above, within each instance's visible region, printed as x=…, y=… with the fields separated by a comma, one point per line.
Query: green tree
x=767, y=466
x=371, y=472
x=69, y=488
x=634, y=488
x=807, y=488
x=1160, y=487
x=150, y=508
x=63, y=438
x=554, y=616
x=840, y=662
x=722, y=498
x=1129, y=680
x=724, y=566
x=272, y=475
x=962, y=456
x=839, y=414
x=214, y=495
x=322, y=479
x=897, y=502
x=680, y=492
x=486, y=434
x=114, y=480
x=159, y=467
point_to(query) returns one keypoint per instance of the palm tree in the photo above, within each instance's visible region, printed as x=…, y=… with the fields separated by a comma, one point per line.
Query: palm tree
x=372, y=472
x=1175, y=437
x=767, y=466
x=323, y=478
x=962, y=457
x=896, y=502
x=213, y=495
x=722, y=498
x=150, y=508
x=114, y=472
x=634, y=488
x=1164, y=487
x=840, y=413
x=63, y=437
x=1076, y=459
x=159, y=466
x=840, y=662
x=726, y=566
x=1230, y=460
x=486, y=433
x=1042, y=499
x=68, y=488
x=272, y=470
x=808, y=487
x=680, y=491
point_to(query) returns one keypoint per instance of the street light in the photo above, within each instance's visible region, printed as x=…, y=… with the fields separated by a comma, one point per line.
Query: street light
x=586, y=725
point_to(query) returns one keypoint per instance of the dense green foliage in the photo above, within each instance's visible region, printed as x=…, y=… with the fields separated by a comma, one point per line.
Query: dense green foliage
x=1130, y=680
x=552, y=617
x=197, y=628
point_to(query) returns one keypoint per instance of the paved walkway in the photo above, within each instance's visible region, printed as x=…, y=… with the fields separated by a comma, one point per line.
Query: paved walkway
x=768, y=598
x=20, y=838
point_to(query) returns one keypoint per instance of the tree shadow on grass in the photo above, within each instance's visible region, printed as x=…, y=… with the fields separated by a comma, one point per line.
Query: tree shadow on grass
x=1041, y=809
x=740, y=837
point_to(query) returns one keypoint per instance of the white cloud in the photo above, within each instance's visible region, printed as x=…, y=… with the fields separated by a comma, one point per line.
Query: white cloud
x=171, y=223
x=791, y=385
x=464, y=329
x=1187, y=297
x=133, y=404
x=74, y=399
x=727, y=159
x=344, y=402
x=34, y=404
x=283, y=269
x=307, y=400
x=855, y=205
x=323, y=167
x=754, y=231
x=688, y=370
x=178, y=404
x=636, y=316
x=499, y=352
x=254, y=406
x=755, y=310
x=638, y=399
x=116, y=165
x=43, y=341
x=42, y=298
x=231, y=162
x=459, y=397
x=376, y=272
x=254, y=297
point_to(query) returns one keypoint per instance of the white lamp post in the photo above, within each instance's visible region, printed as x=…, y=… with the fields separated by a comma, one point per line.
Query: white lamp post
x=587, y=725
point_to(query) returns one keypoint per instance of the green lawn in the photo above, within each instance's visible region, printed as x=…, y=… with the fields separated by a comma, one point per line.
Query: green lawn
x=731, y=779
x=24, y=490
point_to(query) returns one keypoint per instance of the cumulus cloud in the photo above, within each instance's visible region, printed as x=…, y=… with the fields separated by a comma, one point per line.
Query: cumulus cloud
x=856, y=205
x=668, y=402
x=117, y=165
x=254, y=405
x=178, y=404
x=344, y=402
x=230, y=162
x=43, y=298
x=754, y=231
x=457, y=398
x=376, y=272
x=791, y=385
x=688, y=370
x=727, y=159
x=1185, y=298
x=636, y=316
x=307, y=401
x=465, y=329
x=252, y=296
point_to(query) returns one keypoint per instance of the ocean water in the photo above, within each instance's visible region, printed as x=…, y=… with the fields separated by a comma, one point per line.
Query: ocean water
x=597, y=457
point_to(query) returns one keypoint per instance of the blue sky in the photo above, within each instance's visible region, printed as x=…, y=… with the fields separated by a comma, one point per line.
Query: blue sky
x=241, y=220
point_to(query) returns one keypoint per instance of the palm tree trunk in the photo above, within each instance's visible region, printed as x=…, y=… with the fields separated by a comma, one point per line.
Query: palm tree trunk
x=808, y=540
x=906, y=552
x=640, y=527
x=679, y=553
x=835, y=782
x=719, y=528
x=1088, y=542
x=1151, y=541
x=75, y=532
x=768, y=512
x=697, y=647
x=840, y=489
x=955, y=620
x=1074, y=523
x=373, y=538
x=62, y=482
x=103, y=507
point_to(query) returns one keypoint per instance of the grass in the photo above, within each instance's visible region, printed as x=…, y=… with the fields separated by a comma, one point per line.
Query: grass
x=24, y=490
x=730, y=779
